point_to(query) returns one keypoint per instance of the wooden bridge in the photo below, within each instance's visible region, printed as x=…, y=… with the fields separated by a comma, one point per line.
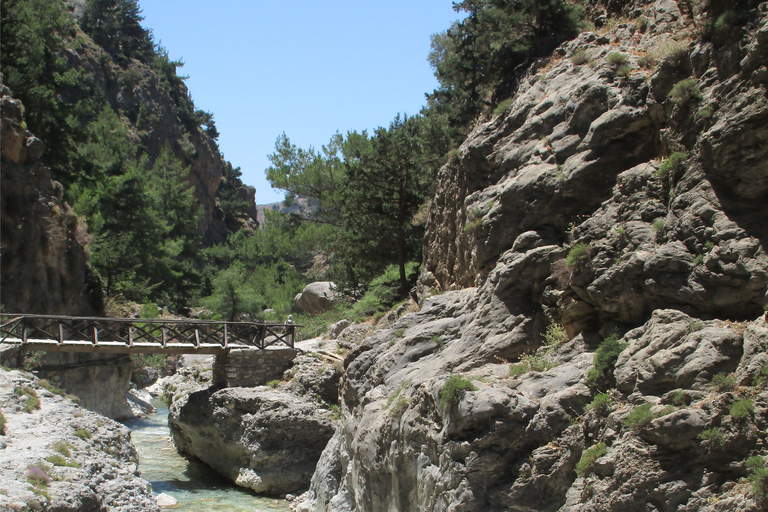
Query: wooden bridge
x=53, y=333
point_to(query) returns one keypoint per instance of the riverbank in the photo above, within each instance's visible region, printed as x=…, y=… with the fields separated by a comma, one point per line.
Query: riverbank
x=195, y=485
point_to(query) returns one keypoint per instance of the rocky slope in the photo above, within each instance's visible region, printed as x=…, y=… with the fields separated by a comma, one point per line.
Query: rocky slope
x=603, y=347
x=56, y=456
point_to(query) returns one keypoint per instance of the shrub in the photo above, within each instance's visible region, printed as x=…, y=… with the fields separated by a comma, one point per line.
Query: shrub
x=50, y=387
x=273, y=383
x=581, y=57
x=757, y=474
x=600, y=404
x=671, y=164
x=762, y=377
x=588, y=458
x=741, y=409
x=624, y=70
x=397, y=392
x=617, y=59
x=674, y=52
x=58, y=460
x=685, y=90
x=453, y=388
x=399, y=408
x=33, y=402
x=502, y=107
x=641, y=23
x=648, y=60
x=83, y=434
x=2, y=424
x=724, y=382
x=712, y=436
x=605, y=361
x=63, y=448
x=530, y=363
x=38, y=476
x=577, y=255
x=658, y=225
x=555, y=336
x=640, y=417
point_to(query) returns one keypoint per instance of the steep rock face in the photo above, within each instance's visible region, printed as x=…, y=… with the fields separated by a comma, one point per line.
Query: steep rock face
x=85, y=462
x=569, y=212
x=43, y=241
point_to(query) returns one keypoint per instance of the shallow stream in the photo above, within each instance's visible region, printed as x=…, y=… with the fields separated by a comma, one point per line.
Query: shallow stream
x=196, y=486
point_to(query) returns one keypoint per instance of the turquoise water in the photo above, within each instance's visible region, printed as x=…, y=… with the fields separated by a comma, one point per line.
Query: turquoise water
x=197, y=487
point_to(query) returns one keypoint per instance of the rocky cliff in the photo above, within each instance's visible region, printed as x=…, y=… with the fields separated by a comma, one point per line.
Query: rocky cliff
x=58, y=456
x=595, y=275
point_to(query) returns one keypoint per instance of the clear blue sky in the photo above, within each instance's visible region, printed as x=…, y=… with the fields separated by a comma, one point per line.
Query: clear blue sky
x=306, y=68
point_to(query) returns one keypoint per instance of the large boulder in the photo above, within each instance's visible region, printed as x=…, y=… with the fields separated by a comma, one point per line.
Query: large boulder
x=264, y=439
x=316, y=297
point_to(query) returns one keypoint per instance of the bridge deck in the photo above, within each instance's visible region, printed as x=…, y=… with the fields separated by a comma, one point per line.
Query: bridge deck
x=138, y=335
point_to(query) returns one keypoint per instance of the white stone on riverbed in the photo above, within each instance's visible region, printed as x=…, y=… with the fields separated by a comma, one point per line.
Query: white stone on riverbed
x=165, y=500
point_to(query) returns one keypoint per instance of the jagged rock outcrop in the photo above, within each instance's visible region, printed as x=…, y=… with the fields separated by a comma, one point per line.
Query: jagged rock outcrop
x=60, y=457
x=602, y=202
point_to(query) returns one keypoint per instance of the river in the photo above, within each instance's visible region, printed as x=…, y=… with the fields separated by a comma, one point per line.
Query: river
x=196, y=486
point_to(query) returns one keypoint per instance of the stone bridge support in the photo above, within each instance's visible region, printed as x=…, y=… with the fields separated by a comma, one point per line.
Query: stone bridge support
x=251, y=367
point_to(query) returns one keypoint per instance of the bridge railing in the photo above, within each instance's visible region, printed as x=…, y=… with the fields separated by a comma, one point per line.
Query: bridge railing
x=28, y=329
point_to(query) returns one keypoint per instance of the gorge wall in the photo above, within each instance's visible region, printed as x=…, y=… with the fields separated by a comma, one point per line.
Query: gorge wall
x=621, y=198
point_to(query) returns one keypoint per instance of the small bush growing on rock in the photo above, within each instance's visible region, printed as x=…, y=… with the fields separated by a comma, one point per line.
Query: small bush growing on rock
x=555, y=336
x=530, y=363
x=399, y=408
x=58, y=460
x=38, y=476
x=588, y=458
x=685, y=90
x=2, y=424
x=641, y=23
x=397, y=392
x=605, y=361
x=453, y=388
x=276, y=382
x=581, y=57
x=83, y=434
x=648, y=60
x=642, y=416
x=674, y=51
x=617, y=59
x=33, y=402
x=577, y=255
x=741, y=409
x=762, y=377
x=624, y=70
x=63, y=448
x=724, y=382
x=757, y=474
x=502, y=107
x=658, y=225
x=673, y=163
x=713, y=437
x=600, y=404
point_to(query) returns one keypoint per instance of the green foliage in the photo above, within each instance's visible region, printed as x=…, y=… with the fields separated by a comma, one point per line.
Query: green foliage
x=712, y=436
x=624, y=70
x=685, y=90
x=454, y=388
x=724, y=382
x=274, y=383
x=762, y=377
x=757, y=474
x=600, y=404
x=163, y=363
x=2, y=424
x=641, y=23
x=502, y=107
x=581, y=57
x=62, y=448
x=578, y=255
x=58, y=460
x=399, y=408
x=617, y=59
x=32, y=402
x=397, y=392
x=38, y=476
x=658, y=225
x=742, y=409
x=672, y=164
x=83, y=434
x=640, y=417
x=115, y=25
x=605, y=361
x=588, y=458
x=233, y=295
x=530, y=363
x=555, y=336
x=476, y=58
